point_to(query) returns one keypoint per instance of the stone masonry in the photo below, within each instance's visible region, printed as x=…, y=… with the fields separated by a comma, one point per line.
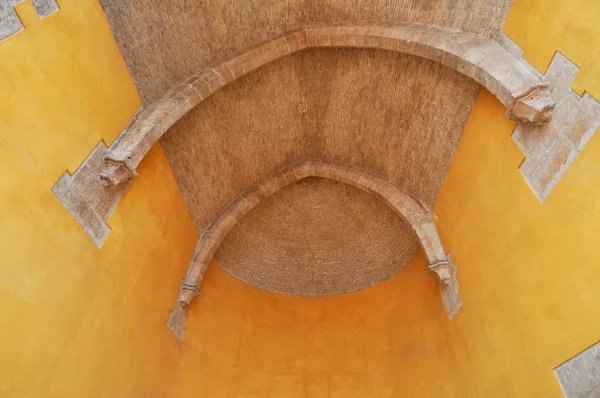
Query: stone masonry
x=85, y=198
x=525, y=96
x=552, y=148
x=10, y=23
x=579, y=377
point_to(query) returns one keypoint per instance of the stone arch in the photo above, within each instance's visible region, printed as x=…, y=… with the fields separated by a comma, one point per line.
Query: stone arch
x=416, y=214
x=525, y=96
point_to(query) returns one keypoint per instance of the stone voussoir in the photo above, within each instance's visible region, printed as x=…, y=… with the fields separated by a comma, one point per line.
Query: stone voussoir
x=518, y=89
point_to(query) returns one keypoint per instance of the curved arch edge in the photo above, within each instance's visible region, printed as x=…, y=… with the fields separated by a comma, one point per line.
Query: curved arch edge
x=416, y=214
x=525, y=96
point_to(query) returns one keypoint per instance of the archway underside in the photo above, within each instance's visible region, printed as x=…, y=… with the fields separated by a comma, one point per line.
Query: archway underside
x=525, y=96
x=417, y=215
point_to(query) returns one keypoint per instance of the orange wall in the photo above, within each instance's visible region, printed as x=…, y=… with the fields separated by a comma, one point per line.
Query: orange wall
x=394, y=339
x=528, y=280
x=527, y=271
x=541, y=27
x=77, y=321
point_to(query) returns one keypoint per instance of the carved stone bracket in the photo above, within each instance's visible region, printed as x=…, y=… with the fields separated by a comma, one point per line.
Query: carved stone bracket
x=116, y=171
x=441, y=270
x=533, y=105
x=85, y=197
x=449, y=290
x=187, y=293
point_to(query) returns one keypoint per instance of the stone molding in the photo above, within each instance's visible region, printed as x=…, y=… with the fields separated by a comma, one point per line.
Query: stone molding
x=85, y=197
x=525, y=96
x=579, y=377
x=552, y=148
x=409, y=209
x=10, y=23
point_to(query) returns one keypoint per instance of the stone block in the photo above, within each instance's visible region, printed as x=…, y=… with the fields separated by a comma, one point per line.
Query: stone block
x=579, y=377
x=551, y=148
x=87, y=198
x=10, y=23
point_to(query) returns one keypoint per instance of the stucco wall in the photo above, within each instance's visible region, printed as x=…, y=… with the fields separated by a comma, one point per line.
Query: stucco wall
x=527, y=271
x=78, y=321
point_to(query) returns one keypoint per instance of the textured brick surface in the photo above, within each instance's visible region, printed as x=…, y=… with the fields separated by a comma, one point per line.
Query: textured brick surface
x=580, y=376
x=372, y=111
x=410, y=210
x=317, y=237
x=9, y=20
x=526, y=98
x=194, y=34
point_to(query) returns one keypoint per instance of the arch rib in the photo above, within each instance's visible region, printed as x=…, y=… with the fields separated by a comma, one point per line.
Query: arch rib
x=526, y=98
x=409, y=209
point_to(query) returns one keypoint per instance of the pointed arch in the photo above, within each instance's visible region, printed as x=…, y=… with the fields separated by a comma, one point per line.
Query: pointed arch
x=526, y=97
x=416, y=214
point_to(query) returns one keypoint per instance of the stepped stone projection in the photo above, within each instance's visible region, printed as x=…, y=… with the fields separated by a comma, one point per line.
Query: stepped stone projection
x=552, y=148
x=526, y=97
x=580, y=376
x=9, y=20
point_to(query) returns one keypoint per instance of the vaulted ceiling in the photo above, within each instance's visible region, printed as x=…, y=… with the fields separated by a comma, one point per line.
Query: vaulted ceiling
x=397, y=115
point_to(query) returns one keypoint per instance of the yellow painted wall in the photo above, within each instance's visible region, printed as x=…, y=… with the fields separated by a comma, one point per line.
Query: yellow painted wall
x=391, y=340
x=528, y=271
x=529, y=282
x=541, y=27
x=76, y=321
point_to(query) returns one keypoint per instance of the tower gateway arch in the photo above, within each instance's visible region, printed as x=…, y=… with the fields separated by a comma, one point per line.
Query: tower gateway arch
x=307, y=198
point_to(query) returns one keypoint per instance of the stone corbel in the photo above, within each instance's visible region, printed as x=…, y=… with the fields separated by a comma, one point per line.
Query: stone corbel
x=533, y=105
x=187, y=293
x=116, y=171
x=178, y=315
x=85, y=196
x=441, y=270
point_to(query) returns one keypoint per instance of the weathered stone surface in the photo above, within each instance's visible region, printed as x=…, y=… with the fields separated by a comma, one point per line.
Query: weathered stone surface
x=550, y=149
x=77, y=204
x=580, y=376
x=410, y=210
x=86, y=198
x=45, y=7
x=526, y=98
x=9, y=20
